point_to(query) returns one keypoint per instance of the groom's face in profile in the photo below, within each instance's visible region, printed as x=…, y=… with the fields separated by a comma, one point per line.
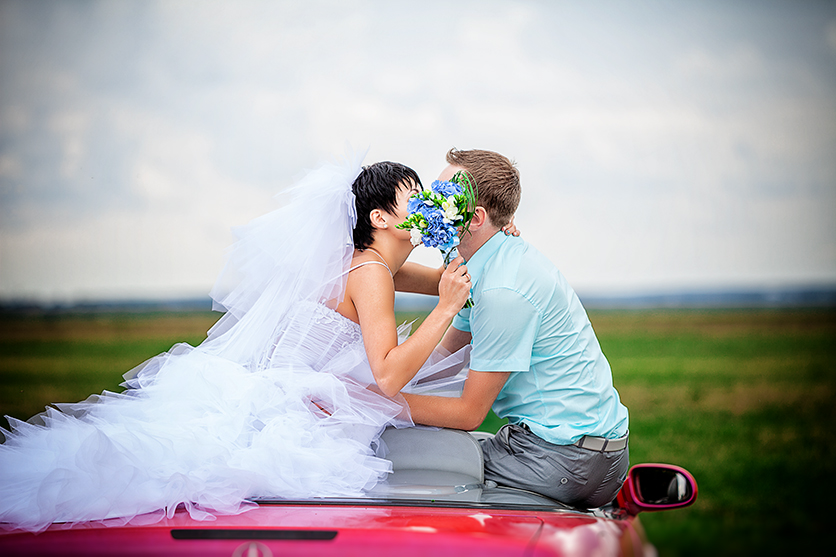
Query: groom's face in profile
x=449, y=172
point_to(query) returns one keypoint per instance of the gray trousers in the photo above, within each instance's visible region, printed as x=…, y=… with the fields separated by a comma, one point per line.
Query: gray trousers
x=581, y=478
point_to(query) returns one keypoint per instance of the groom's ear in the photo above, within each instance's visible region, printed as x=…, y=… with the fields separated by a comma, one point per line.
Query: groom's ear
x=480, y=218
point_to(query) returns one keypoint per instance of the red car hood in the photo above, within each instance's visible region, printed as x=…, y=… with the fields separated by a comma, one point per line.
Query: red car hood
x=314, y=530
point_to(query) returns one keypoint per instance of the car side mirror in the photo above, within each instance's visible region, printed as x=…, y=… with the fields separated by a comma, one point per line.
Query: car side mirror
x=657, y=487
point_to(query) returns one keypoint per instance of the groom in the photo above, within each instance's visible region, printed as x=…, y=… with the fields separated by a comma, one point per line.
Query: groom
x=535, y=359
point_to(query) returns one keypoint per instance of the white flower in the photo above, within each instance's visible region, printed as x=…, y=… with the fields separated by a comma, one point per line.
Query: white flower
x=450, y=210
x=415, y=236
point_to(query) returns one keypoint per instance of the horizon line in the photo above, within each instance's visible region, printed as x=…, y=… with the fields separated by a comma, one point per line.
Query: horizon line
x=809, y=296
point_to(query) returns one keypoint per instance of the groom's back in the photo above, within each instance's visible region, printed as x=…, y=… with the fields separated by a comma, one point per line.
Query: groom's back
x=566, y=360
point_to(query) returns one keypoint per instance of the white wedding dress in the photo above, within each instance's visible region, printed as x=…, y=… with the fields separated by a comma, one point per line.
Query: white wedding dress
x=279, y=401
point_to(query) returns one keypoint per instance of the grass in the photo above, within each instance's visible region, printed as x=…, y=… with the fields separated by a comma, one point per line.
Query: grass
x=47, y=359
x=742, y=399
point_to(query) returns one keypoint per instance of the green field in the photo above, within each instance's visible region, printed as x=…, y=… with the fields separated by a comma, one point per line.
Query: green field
x=742, y=399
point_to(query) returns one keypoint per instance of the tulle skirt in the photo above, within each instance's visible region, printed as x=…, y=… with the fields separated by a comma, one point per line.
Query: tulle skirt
x=199, y=430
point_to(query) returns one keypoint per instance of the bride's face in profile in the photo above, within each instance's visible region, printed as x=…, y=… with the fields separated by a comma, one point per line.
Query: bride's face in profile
x=401, y=212
x=406, y=190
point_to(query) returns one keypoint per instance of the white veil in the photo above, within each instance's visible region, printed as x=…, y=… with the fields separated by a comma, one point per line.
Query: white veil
x=298, y=252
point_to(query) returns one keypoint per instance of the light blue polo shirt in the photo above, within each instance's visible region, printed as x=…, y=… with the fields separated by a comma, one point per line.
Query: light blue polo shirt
x=526, y=319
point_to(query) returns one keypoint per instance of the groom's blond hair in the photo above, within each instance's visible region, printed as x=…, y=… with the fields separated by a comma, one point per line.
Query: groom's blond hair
x=497, y=181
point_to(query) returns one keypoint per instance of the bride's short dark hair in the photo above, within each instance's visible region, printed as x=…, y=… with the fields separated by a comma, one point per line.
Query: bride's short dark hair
x=377, y=188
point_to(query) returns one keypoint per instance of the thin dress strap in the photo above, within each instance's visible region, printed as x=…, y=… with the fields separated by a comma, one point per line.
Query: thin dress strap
x=371, y=263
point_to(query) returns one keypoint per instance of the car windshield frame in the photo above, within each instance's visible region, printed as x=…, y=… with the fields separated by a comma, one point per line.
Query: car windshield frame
x=479, y=496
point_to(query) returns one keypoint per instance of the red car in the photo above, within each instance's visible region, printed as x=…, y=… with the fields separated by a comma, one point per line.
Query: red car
x=435, y=503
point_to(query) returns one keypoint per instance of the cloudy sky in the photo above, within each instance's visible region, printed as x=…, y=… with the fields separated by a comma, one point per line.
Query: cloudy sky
x=663, y=146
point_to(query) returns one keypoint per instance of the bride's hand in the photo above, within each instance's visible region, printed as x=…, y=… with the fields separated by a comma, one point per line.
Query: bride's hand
x=510, y=229
x=454, y=287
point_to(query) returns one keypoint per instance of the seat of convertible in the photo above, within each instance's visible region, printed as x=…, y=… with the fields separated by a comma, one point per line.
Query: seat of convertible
x=431, y=463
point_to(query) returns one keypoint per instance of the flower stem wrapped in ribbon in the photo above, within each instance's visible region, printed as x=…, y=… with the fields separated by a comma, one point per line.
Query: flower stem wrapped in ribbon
x=436, y=215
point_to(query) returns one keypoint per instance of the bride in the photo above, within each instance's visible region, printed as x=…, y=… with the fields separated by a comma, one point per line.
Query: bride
x=290, y=391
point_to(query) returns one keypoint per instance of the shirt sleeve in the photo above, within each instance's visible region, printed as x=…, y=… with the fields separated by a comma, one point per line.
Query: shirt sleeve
x=462, y=320
x=504, y=326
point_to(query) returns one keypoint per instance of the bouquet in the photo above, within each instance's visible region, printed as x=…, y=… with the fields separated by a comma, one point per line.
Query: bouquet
x=437, y=213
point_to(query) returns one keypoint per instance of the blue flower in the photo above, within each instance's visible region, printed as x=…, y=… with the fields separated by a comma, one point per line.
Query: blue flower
x=413, y=204
x=438, y=233
x=434, y=215
x=446, y=189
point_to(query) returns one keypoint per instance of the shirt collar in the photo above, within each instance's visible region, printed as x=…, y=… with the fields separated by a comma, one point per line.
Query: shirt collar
x=477, y=263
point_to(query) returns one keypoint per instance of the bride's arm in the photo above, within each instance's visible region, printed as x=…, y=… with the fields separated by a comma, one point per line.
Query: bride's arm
x=372, y=292
x=414, y=277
